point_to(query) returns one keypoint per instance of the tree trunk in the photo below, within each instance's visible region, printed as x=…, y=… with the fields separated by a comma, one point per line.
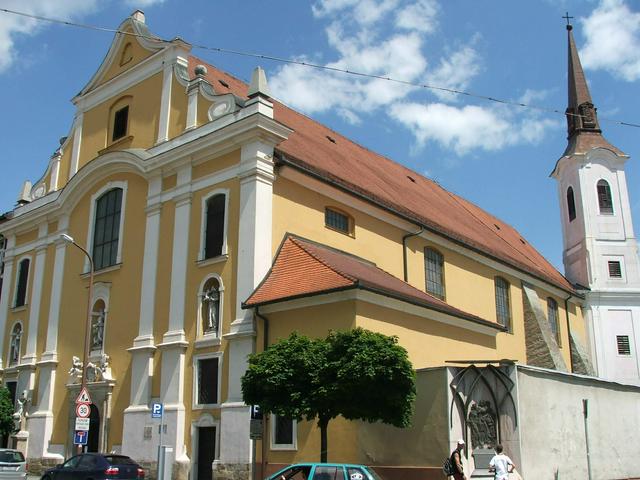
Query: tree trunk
x=323, y=423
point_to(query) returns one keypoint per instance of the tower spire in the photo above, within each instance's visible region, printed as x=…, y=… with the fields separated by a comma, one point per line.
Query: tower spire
x=581, y=114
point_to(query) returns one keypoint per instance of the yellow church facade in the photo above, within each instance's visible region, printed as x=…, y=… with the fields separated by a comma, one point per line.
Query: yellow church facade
x=219, y=221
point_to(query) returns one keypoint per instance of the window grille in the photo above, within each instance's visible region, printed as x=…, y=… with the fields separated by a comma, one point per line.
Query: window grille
x=434, y=270
x=552, y=316
x=106, y=232
x=615, y=269
x=503, y=310
x=604, y=198
x=207, y=381
x=337, y=221
x=624, y=347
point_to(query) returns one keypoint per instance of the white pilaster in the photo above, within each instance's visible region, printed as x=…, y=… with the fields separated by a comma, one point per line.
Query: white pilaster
x=77, y=143
x=192, y=105
x=254, y=259
x=36, y=297
x=6, y=290
x=55, y=171
x=165, y=103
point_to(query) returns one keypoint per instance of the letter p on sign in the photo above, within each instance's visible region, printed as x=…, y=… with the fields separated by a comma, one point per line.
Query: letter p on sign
x=156, y=410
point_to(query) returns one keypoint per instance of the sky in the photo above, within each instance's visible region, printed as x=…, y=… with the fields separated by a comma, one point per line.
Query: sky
x=496, y=155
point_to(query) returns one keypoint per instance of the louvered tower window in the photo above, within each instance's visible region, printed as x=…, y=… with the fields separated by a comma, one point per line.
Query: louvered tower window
x=615, y=269
x=624, y=347
x=604, y=198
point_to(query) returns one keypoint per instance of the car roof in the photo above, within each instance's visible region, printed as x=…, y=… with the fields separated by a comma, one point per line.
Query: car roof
x=311, y=464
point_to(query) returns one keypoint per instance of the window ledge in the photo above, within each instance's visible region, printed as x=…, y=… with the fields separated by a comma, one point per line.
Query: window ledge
x=108, y=269
x=205, y=406
x=207, y=341
x=115, y=143
x=284, y=448
x=21, y=308
x=203, y=262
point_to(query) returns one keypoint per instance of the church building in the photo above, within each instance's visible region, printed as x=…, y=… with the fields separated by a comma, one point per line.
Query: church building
x=189, y=219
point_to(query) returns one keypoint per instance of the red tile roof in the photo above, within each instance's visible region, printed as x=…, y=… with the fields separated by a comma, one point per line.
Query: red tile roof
x=303, y=268
x=387, y=183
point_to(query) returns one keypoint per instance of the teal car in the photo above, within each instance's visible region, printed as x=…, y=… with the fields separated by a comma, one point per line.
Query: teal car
x=325, y=471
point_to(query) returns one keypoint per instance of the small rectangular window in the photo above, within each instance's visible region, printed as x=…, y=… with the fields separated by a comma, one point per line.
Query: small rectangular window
x=207, y=381
x=120, y=122
x=283, y=433
x=337, y=221
x=615, y=269
x=624, y=347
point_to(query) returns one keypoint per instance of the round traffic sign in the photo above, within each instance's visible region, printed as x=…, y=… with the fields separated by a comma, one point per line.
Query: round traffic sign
x=83, y=410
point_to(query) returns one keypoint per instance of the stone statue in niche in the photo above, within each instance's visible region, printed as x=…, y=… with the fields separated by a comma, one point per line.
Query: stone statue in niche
x=14, y=355
x=482, y=423
x=210, y=309
x=97, y=330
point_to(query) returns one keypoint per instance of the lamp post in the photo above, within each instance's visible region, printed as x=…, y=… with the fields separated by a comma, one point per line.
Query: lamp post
x=87, y=332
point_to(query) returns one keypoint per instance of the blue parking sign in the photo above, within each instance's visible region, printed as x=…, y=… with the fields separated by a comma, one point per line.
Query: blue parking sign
x=80, y=437
x=156, y=410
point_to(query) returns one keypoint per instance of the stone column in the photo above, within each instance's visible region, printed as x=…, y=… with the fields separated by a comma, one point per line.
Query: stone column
x=254, y=259
x=40, y=422
x=137, y=414
x=174, y=343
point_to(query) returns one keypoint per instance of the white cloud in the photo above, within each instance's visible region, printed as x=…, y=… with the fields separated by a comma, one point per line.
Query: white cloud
x=13, y=26
x=613, y=40
x=420, y=16
x=455, y=71
x=469, y=128
x=142, y=3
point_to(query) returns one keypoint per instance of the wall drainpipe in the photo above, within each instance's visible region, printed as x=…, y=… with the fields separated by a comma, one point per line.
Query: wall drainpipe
x=265, y=344
x=404, y=251
x=566, y=312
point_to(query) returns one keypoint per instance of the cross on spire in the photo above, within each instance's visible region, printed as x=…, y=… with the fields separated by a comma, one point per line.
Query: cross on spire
x=568, y=18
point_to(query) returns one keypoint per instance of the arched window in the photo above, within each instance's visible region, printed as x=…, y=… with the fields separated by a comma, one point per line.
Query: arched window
x=434, y=272
x=552, y=316
x=210, y=312
x=503, y=309
x=98, y=317
x=571, y=204
x=14, y=346
x=106, y=232
x=21, y=283
x=604, y=198
x=214, y=226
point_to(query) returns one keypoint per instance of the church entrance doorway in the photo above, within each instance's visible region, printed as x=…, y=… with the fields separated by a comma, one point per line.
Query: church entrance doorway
x=206, y=452
x=93, y=442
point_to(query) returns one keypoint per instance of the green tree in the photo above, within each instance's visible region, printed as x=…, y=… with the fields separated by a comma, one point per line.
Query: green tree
x=7, y=426
x=359, y=374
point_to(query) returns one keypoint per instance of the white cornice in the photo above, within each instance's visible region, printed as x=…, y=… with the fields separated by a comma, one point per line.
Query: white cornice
x=368, y=208
x=374, y=298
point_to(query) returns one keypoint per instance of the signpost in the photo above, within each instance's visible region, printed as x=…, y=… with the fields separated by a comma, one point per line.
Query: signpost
x=83, y=412
x=83, y=396
x=82, y=424
x=80, y=437
x=157, y=411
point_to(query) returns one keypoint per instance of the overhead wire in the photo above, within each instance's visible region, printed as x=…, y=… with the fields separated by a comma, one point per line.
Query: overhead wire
x=317, y=66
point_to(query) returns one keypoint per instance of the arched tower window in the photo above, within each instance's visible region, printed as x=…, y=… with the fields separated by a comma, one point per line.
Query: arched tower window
x=98, y=317
x=503, y=309
x=571, y=204
x=604, y=198
x=21, y=283
x=434, y=272
x=14, y=346
x=106, y=233
x=210, y=312
x=214, y=229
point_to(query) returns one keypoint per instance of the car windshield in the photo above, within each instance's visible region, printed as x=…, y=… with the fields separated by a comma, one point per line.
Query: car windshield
x=11, y=457
x=119, y=460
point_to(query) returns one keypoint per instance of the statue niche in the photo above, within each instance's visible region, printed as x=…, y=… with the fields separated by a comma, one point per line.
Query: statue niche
x=210, y=307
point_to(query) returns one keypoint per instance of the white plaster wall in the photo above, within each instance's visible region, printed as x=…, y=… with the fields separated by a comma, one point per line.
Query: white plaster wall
x=553, y=433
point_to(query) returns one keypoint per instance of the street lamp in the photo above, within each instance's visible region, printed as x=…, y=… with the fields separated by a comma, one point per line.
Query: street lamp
x=87, y=333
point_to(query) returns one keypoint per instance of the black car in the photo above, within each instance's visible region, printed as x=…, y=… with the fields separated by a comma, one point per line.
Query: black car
x=96, y=466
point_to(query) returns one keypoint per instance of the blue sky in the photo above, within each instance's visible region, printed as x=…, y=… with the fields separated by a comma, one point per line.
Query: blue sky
x=494, y=155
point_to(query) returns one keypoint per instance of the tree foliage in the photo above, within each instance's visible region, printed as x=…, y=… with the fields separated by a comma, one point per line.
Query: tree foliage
x=7, y=425
x=358, y=374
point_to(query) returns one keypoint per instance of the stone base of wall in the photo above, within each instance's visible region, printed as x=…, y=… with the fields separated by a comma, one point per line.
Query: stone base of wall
x=231, y=471
x=37, y=466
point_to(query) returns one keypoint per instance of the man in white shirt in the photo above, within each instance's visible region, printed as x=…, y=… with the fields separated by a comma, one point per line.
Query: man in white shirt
x=501, y=465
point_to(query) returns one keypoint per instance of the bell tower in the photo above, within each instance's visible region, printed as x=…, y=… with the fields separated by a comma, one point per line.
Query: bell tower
x=600, y=251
